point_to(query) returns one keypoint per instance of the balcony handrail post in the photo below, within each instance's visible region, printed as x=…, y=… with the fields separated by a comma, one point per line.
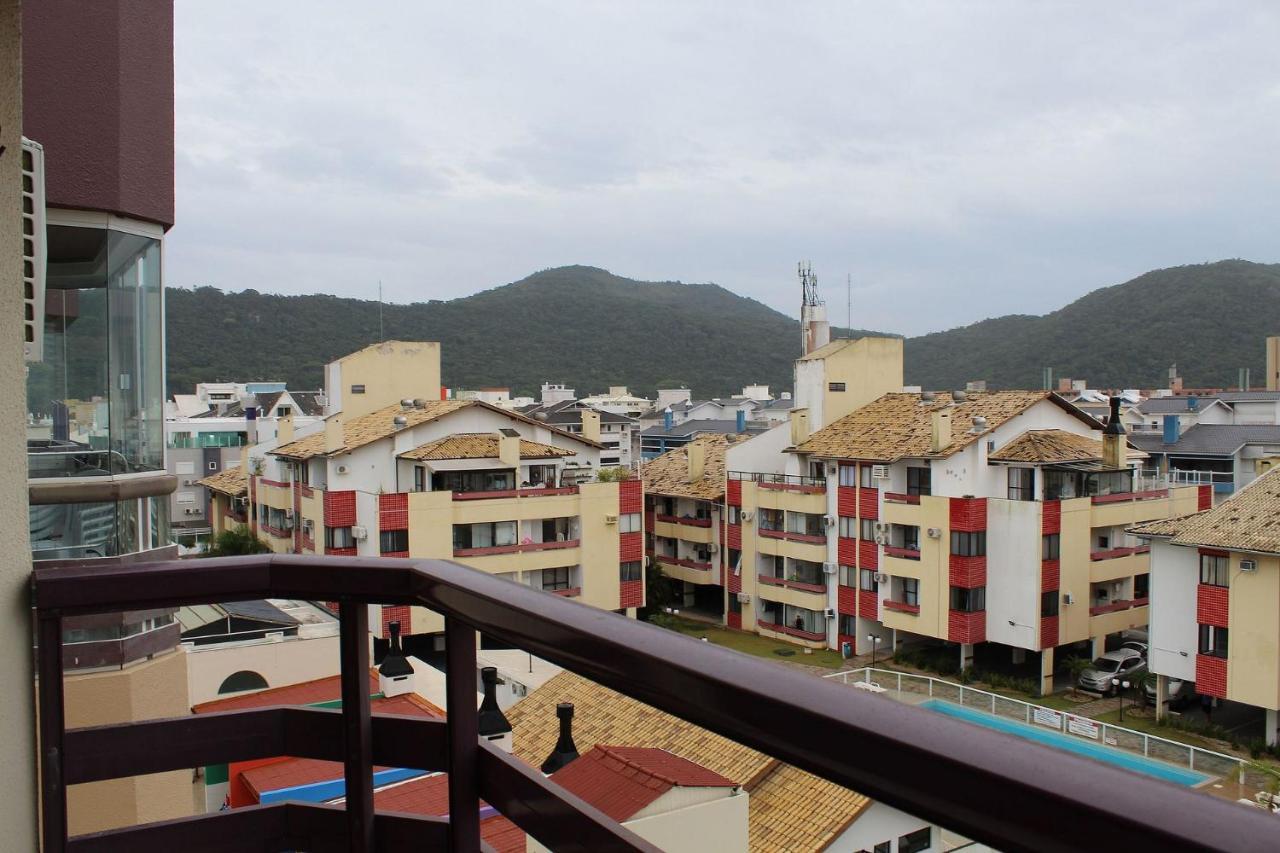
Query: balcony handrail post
x=353, y=647
x=464, y=736
x=53, y=791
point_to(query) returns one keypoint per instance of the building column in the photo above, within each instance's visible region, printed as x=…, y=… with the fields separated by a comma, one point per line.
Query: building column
x=966, y=655
x=1162, y=696
x=1272, y=733
x=1046, y=671
x=17, y=714
x=1098, y=645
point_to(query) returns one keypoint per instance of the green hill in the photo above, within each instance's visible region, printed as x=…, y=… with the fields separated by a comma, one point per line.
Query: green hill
x=590, y=329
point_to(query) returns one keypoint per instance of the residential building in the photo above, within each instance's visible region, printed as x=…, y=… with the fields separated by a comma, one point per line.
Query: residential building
x=1215, y=600
x=612, y=430
x=617, y=400
x=657, y=440
x=1224, y=456
x=453, y=479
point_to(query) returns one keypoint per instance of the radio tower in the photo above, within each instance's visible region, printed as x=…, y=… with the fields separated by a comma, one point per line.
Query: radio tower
x=815, y=331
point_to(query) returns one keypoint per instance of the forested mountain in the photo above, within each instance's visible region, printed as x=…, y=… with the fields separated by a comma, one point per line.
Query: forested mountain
x=590, y=329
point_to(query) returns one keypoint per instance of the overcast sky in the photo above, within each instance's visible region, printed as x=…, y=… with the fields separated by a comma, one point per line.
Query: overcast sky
x=960, y=160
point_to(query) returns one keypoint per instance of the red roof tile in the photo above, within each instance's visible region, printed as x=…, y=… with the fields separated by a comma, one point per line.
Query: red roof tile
x=430, y=796
x=306, y=693
x=621, y=781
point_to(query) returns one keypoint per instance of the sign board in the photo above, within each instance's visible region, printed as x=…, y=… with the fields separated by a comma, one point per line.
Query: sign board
x=1046, y=717
x=1082, y=726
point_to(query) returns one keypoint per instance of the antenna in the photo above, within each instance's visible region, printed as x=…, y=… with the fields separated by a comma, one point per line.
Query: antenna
x=808, y=284
x=848, y=295
x=381, y=337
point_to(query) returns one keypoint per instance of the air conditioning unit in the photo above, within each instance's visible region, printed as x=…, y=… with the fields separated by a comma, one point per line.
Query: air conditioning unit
x=882, y=527
x=935, y=533
x=33, y=250
x=342, y=469
x=288, y=519
x=359, y=533
x=833, y=469
x=747, y=516
x=882, y=538
x=1248, y=565
x=880, y=577
x=829, y=613
x=879, y=472
x=830, y=568
x=744, y=598
x=308, y=526
x=1068, y=598
x=610, y=519
x=829, y=520
x=715, y=548
x=188, y=511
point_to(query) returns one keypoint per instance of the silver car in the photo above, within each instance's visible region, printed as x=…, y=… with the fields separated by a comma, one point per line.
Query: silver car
x=1122, y=664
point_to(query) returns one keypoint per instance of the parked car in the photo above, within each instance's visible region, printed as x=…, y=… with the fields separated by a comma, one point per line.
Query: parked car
x=1123, y=664
x=1181, y=693
x=1139, y=647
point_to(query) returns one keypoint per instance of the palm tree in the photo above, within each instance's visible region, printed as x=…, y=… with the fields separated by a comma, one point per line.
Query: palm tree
x=1076, y=666
x=1141, y=683
x=236, y=542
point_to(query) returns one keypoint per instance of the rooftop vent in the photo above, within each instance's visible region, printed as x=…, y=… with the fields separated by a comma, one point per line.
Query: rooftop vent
x=927, y=397
x=419, y=403
x=406, y=403
x=979, y=424
x=959, y=396
x=565, y=750
x=400, y=422
x=493, y=723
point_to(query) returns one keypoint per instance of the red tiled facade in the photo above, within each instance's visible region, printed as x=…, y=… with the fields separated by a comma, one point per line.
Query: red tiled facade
x=967, y=572
x=396, y=613
x=631, y=594
x=1211, y=676
x=847, y=500
x=1050, y=575
x=1204, y=498
x=1048, y=632
x=733, y=581
x=969, y=515
x=1211, y=605
x=868, y=604
x=339, y=509
x=630, y=496
x=868, y=554
x=847, y=551
x=868, y=502
x=630, y=547
x=733, y=492
x=966, y=627
x=847, y=600
x=734, y=620
x=393, y=511
x=733, y=536
x=1051, y=517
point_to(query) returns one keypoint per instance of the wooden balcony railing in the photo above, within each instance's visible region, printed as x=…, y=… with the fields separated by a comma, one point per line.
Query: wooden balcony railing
x=1121, y=497
x=900, y=498
x=686, y=520
x=803, y=586
x=902, y=553
x=1113, y=553
x=940, y=769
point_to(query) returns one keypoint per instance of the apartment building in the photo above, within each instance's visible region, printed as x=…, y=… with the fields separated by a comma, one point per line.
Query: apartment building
x=612, y=430
x=1215, y=600
x=454, y=479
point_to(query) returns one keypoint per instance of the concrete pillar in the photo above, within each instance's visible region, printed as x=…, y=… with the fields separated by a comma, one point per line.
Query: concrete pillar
x=1162, y=696
x=966, y=655
x=1019, y=656
x=1046, y=672
x=1098, y=646
x=17, y=713
x=1272, y=727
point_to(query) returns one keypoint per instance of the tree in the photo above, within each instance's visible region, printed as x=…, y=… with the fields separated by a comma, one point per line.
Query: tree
x=659, y=590
x=1076, y=666
x=235, y=543
x=1141, y=683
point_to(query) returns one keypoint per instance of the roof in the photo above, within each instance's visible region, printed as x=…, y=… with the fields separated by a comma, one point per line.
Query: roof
x=308, y=402
x=696, y=426
x=796, y=811
x=669, y=473
x=429, y=796
x=366, y=429
x=1248, y=396
x=1247, y=521
x=1051, y=446
x=1174, y=405
x=621, y=781
x=568, y=412
x=480, y=445
x=899, y=425
x=229, y=481
x=829, y=349
x=1209, y=439
x=199, y=615
x=327, y=689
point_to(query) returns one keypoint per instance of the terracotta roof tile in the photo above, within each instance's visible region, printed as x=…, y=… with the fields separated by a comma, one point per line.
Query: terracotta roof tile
x=621, y=781
x=899, y=425
x=1051, y=446
x=480, y=445
x=1247, y=521
x=429, y=796
x=229, y=481
x=669, y=473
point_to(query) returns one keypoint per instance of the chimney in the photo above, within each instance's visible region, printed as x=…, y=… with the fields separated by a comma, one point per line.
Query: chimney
x=742, y=421
x=565, y=750
x=284, y=429
x=667, y=419
x=618, y=391
x=1273, y=363
x=509, y=447
x=591, y=425
x=333, y=436
x=1172, y=429
x=799, y=425
x=395, y=675
x=251, y=424
x=1113, y=442
x=1064, y=384
x=939, y=429
x=697, y=453
x=494, y=725
x=1193, y=404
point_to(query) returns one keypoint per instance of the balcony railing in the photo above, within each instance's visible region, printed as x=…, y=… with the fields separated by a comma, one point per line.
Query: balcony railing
x=942, y=770
x=784, y=482
x=685, y=562
x=798, y=633
x=803, y=586
x=1113, y=607
x=515, y=493
x=899, y=498
x=901, y=607
x=523, y=548
x=1113, y=553
x=808, y=538
x=902, y=553
x=688, y=521
x=1122, y=497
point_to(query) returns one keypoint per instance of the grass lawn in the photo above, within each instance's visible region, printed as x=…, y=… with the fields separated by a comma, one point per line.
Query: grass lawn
x=1056, y=701
x=753, y=644
x=1148, y=726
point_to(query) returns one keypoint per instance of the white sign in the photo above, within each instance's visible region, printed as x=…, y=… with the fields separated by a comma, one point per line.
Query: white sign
x=1082, y=726
x=1045, y=717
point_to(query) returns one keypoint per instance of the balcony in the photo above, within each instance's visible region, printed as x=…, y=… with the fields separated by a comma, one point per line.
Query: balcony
x=525, y=548
x=686, y=520
x=899, y=498
x=798, y=633
x=515, y=493
x=807, y=538
x=943, y=770
x=901, y=607
x=783, y=482
x=1113, y=607
x=1125, y=497
x=1113, y=553
x=802, y=586
x=902, y=553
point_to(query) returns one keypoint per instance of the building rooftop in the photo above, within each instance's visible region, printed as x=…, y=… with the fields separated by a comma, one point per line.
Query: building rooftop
x=1174, y=405
x=480, y=445
x=327, y=689
x=688, y=429
x=569, y=412
x=1209, y=439
x=669, y=473
x=829, y=349
x=899, y=425
x=229, y=481
x=199, y=615
x=1053, y=446
x=1247, y=521
x=789, y=809
x=623, y=780
x=429, y=795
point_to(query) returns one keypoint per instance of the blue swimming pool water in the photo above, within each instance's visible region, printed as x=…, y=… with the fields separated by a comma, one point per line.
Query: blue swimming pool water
x=1071, y=743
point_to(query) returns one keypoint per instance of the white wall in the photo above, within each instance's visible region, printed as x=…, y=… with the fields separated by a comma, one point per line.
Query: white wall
x=719, y=825
x=280, y=662
x=1175, y=574
x=810, y=385
x=762, y=454
x=1013, y=572
x=880, y=823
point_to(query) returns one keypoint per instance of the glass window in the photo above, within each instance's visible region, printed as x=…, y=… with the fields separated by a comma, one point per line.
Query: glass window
x=630, y=523
x=867, y=579
x=804, y=523
x=868, y=530
x=735, y=515
x=864, y=476
x=474, y=481
x=1213, y=641
x=419, y=478
x=848, y=625
x=911, y=591
x=835, y=386
x=969, y=600
x=338, y=537
x=848, y=527
x=968, y=544
x=1022, y=484
x=919, y=481
x=772, y=519
x=1050, y=546
x=629, y=571
x=848, y=475
x=1213, y=569
x=806, y=572
x=914, y=842
x=494, y=534
x=1049, y=603
x=1142, y=586
x=393, y=541
x=558, y=578
x=848, y=576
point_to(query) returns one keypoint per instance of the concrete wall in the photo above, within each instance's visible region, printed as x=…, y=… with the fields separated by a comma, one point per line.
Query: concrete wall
x=279, y=662
x=880, y=823
x=1175, y=575
x=390, y=372
x=1013, y=576
x=17, y=713
x=720, y=825
x=1253, y=660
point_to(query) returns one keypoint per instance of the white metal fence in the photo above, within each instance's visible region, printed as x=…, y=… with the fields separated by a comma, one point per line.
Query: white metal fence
x=1205, y=761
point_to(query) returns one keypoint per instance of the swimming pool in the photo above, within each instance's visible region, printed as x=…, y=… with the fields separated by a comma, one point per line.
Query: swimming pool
x=1071, y=743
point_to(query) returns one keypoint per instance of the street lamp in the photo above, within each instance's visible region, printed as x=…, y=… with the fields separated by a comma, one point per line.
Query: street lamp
x=1119, y=685
x=873, y=639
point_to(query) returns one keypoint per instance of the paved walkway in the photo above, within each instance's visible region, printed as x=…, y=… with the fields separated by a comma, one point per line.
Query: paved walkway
x=1097, y=706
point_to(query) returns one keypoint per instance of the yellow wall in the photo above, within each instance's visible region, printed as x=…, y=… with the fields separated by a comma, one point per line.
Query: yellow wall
x=870, y=368
x=687, y=532
x=1075, y=569
x=144, y=691
x=313, y=508
x=1121, y=620
x=814, y=504
x=390, y=372
x=1253, y=662
x=933, y=569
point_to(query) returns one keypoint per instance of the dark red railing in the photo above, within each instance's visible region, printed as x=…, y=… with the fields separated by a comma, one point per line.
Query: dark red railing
x=688, y=521
x=524, y=548
x=1113, y=553
x=940, y=769
x=808, y=538
x=803, y=586
x=902, y=553
x=899, y=498
x=798, y=633
x=515, y=493
x=901, y=607
x=1121, y=497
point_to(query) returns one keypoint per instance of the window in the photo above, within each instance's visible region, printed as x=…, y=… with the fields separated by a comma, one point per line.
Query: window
x=804, y=523
x=969, y=600
x=848, y=475
x=867, y=579
x=629, y=571
x=1213, y=569
x=773, y=566
x=883, y=847
x=911, y=591
x=1022, y=484
x=1050, y=546
x=910, y=536
x=419, y=478
x=629, y=523
x=304, y=473
x=915, y=842
x=848, y=576
x=540, y=474
x=735, y=515
x=284, y=411
x=848, y=625
x=1049, y=603
x=338, y=537
x=357, y=389
x=864, y=476
x=1213, y=641
x=968, y=544
x=848, y=527
x=493, y=534
x=806, y=572
x=556, y=578
x=213, y=466
x=1104, y=542
x=473, y=481
x=1142, y=586
x=919, y=481
x=835, y=386
x=772, y=519
x=868, y=530
x=393, y=541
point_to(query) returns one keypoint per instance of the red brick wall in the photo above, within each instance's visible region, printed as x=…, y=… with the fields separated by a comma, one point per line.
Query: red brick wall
x=847, y=549
x=397, y=613
x=968, y=514
x=1048, y=632
x=734, y=620
x=1204, y=498
x=1211, y=676
x=393, y=512
x=732, y=582
x=966, y=627
x=631, y=594
x=339, y=509
x=847, y=598
x=847, y=500
x=968, y=572
x=868, y=604
x=1051, y=517
x=630, y=547
x=868, y=502
x=630, y=496
x=1050, y=575
x=1211, y=605
x=733, y=495
x=868, y=554
x=734, y=537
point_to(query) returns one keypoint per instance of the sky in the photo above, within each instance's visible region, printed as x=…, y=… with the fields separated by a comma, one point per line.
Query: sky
x=957, y=160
